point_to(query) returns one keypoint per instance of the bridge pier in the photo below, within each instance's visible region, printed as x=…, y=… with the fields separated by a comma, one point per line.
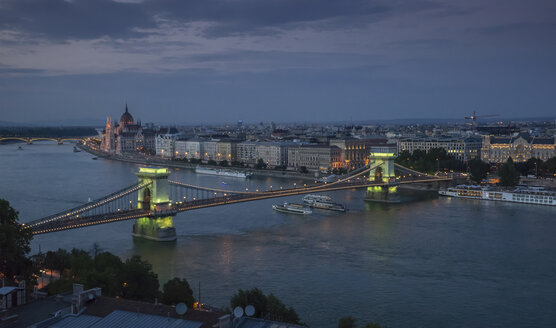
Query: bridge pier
x=29, y=141
x=382, y=159
x=159, y=225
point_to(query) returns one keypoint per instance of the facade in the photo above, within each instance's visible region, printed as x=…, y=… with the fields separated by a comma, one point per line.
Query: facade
x=315, y=158
x=165, y=145
x=247, y=152
x=273, y=153
x=226, y=150
x=355, y=152
x=126, y=136
x=520, y=148
x=463, y=149
x=209, y=150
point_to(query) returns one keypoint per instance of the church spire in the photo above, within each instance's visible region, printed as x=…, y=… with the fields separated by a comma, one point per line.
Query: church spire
x=126, y=107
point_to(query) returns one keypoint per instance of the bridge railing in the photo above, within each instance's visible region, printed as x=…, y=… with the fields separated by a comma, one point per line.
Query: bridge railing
x=90, y=205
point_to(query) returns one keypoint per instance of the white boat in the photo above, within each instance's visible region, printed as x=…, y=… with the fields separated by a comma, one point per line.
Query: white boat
x=312, y=197
x=323, y=202
x=521, y=194
x=292, y=208
x=223, y=172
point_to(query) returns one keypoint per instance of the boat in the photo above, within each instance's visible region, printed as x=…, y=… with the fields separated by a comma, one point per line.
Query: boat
x=95, y=158
x=292, y=208
x=19, y=148
x=76, y=150
x=323, y=202
x=520, y=194
x=223, y=172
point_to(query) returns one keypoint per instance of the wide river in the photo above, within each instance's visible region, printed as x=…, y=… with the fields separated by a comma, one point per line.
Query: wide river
x=439, y=262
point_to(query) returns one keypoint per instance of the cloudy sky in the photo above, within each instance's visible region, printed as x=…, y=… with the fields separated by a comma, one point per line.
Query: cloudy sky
x=208, y=61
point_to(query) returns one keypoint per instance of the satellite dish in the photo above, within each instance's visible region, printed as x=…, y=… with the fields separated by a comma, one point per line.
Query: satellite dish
x=238, y=312
x=181, y=308
x=249, y=310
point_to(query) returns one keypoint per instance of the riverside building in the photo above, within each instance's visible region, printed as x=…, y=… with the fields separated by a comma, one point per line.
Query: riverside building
x=519, y=148
x=463, y=149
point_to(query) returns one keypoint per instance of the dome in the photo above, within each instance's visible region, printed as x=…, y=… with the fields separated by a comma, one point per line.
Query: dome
x=126, y=118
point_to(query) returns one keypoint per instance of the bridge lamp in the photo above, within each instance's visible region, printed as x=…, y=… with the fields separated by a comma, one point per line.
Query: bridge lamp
x=295, y=184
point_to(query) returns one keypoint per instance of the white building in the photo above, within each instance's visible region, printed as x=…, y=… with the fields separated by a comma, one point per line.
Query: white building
x=165, y=145
x=189, y=148
x=463, y=149
x=247, y=152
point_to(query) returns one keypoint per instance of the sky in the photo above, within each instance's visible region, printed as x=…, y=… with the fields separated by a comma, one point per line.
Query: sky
x=218, y=61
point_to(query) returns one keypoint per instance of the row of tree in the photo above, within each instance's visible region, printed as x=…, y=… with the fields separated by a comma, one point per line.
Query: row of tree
x=436, y=159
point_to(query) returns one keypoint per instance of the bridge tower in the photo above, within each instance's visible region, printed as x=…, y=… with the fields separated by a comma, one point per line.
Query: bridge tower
x=382, y=159
x=155, y=197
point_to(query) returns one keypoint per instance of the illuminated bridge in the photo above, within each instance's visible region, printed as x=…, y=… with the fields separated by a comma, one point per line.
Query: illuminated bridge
x=30, y=140
x=155, y=199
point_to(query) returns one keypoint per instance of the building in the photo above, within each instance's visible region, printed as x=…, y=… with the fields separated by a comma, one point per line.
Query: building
x=165, y=145
x=315, y=157
x=273, y=153
x=247, y=152
x=12, y=296
x=355, y=152
x=226, y=150
x=126, y=136
x=520, y=148
x=209, y=150
x=191, y=148
x=463, y=149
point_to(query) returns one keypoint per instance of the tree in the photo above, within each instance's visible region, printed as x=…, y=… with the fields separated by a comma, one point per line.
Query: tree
x=15, y=242
x=260, y=164
x=264, y=305
x=211, y=162
x=303, y=169
x=139, y=281
x=223, y=163
x=177, y=290
x=373, y=325
x=346, y=322
x=478, y=170
x=509, y=176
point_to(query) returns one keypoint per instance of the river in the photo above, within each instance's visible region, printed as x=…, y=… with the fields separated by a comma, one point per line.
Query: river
x=439, y=262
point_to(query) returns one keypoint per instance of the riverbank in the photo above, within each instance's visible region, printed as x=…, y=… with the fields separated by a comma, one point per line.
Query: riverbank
x=151, y=160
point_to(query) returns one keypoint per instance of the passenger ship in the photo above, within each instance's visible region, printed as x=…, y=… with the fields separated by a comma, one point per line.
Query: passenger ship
x=323, y=202
x=521, y=194
x=223, y=172
x=292, y=208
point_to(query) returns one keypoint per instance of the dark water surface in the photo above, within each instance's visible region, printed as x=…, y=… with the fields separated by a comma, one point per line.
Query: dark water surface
x=436, y=263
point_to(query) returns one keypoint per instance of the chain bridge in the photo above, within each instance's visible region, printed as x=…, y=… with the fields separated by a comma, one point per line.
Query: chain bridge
x=154, y=200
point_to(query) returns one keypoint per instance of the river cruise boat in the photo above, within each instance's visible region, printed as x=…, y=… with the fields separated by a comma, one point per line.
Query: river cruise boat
x=292, y=208
x=323, y=202
x=223, y=172
x=521, y=194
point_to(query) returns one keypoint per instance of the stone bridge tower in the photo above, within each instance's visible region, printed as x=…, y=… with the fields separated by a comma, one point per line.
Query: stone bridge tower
x=155, y=197
x=382, y=159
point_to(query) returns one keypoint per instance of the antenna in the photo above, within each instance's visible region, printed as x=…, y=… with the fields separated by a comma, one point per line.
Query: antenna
x=238, y=312
x=181, y=308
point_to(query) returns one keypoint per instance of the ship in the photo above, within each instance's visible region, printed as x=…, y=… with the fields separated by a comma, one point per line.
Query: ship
x=223, y=172
x=520, y=194
x=76, y=150
x=292, y=208
x=323, y=202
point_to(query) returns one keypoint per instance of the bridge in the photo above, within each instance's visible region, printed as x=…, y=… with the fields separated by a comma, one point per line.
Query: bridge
x=154, y=200
x=30, y=140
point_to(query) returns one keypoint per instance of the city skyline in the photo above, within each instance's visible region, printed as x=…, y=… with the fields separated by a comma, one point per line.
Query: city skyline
x=305, y=61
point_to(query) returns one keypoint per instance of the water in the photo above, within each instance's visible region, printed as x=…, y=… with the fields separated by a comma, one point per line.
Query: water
x=436, y=263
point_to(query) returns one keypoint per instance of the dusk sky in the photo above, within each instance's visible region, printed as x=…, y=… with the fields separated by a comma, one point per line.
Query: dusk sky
x=217, y=61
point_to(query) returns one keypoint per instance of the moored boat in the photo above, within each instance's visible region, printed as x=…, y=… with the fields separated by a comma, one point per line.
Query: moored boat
x=323, y=202
x=223, y=172
x=292, y=208
x=521, y=194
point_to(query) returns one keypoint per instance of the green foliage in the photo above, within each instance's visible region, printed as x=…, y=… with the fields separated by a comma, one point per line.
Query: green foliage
x=139, y=281
x=223, y=163
x=303, y=169
x=177, y=290
x=373, y=325
x=509, y=176
x=14, y=246
x=478, y=170
x=211, y=162
x=260, y=164
x=237, y=163
x=265, y=305
x=346, y=322
x=429, y=161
